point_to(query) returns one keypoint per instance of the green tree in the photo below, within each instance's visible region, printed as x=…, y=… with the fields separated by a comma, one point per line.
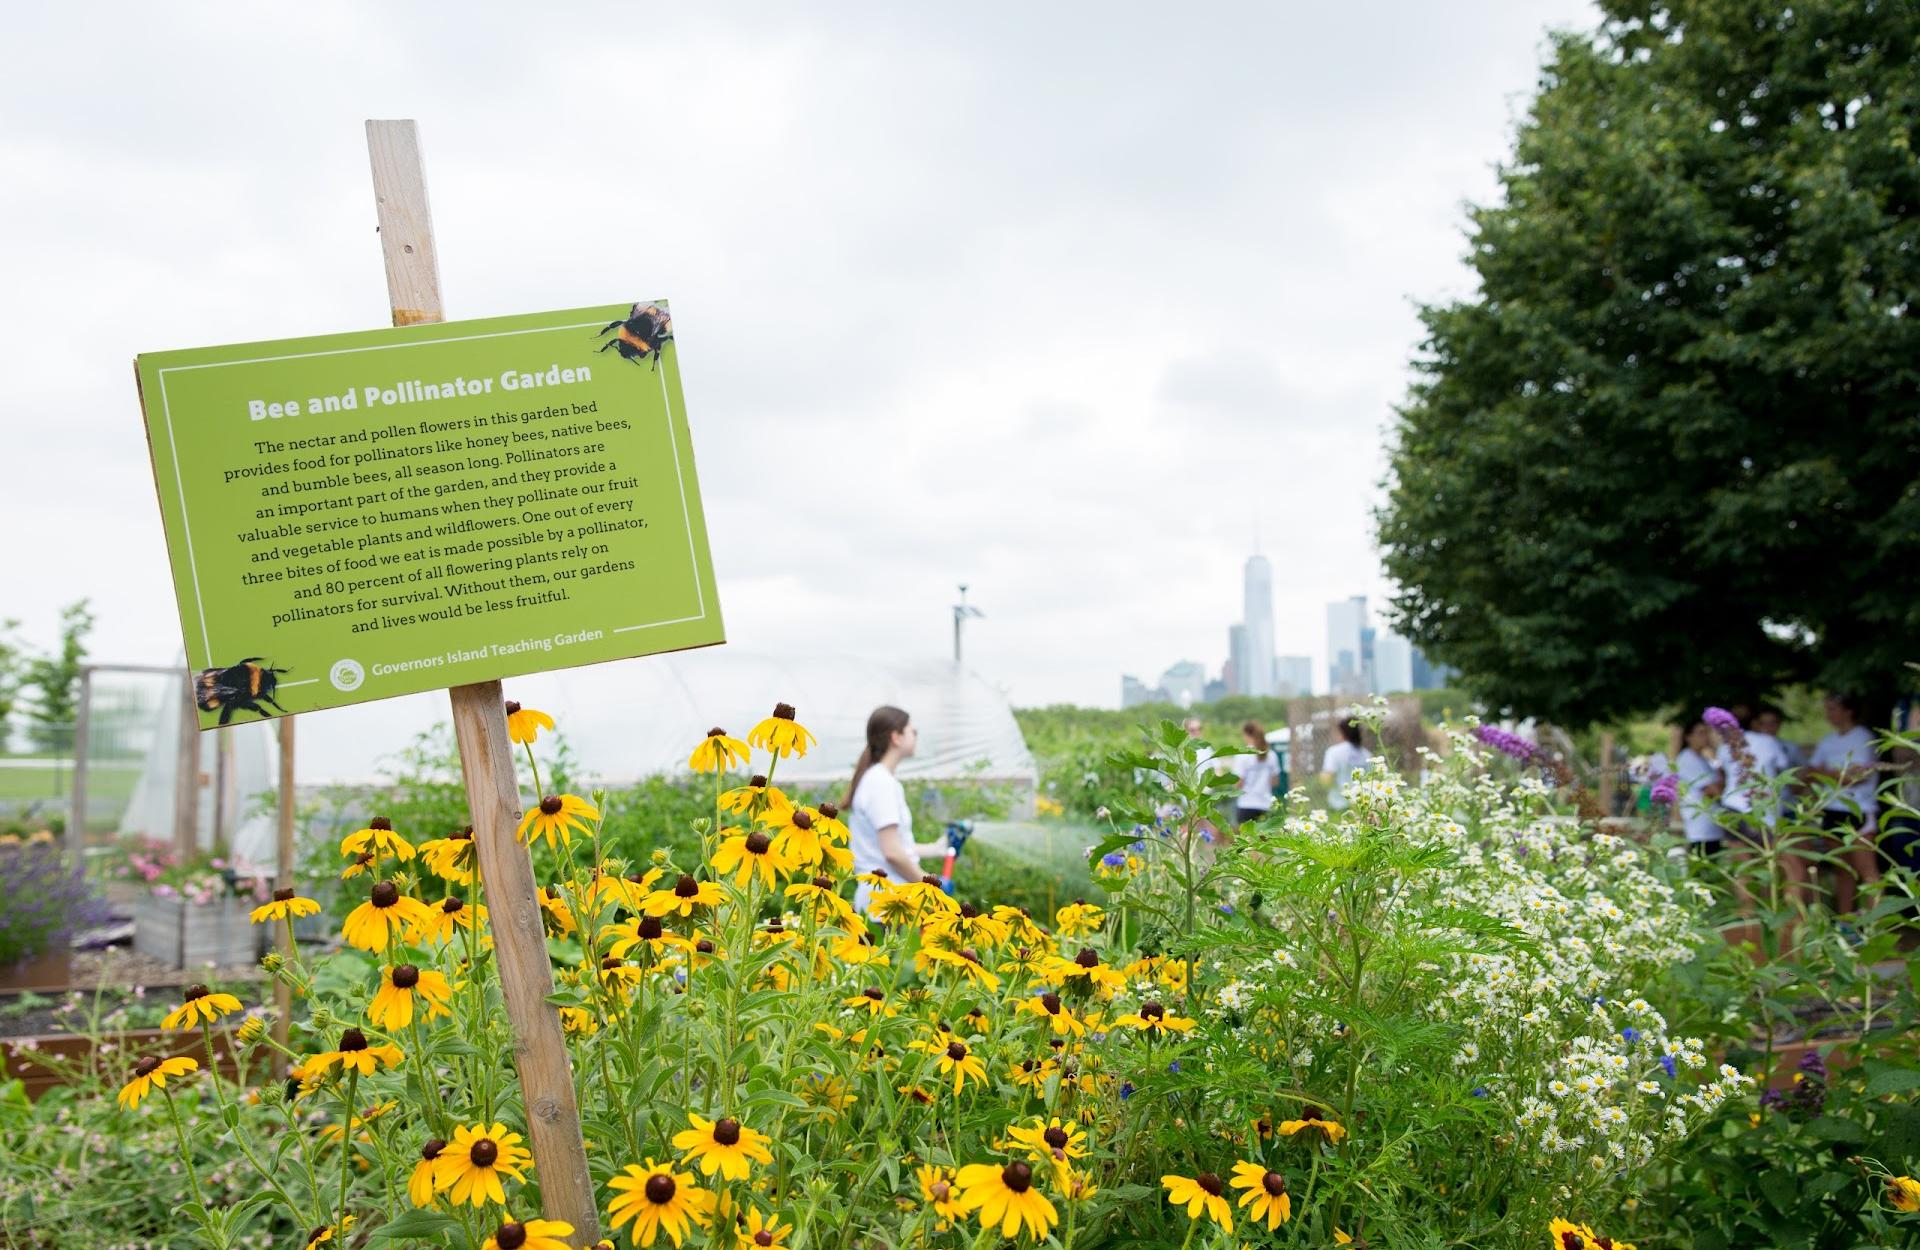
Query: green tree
x=1669, y=449
x=55, y=678
x=13, y=659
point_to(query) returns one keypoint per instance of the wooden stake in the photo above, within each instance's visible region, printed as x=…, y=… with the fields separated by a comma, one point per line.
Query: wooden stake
x=186, y=777
x=486, y=760
x=282, y=992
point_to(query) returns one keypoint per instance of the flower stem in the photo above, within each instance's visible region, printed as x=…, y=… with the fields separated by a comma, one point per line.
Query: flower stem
x=186, y=1154
x=346, y=1147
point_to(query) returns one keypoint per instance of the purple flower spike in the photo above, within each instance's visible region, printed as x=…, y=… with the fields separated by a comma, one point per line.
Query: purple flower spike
x=1508, y=743
x=1666, y=790
x=1721, y=719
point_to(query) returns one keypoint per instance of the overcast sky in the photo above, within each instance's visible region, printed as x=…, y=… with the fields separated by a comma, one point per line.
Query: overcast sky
x=1067, y=302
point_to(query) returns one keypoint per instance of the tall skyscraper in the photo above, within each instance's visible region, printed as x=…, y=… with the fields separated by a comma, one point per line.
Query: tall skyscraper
x=1296, y=675
x=1237, y=659
x=1392, y=664
x=1347, y=652
x=1256, y=676
x=1185, y=683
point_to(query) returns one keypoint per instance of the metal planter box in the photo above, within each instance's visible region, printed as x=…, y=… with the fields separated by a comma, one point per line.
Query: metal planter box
x=189, y=935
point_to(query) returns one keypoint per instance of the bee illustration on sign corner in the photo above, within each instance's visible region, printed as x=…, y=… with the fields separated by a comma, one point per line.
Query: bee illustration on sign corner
x=240, y=688
x=647, y=329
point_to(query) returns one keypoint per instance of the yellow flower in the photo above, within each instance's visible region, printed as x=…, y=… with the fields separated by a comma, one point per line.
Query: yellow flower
x=378, y=837
x=437, y=923
x=532, y=1234
x=284, y=903
x=929, y=957
x=655, y=1197
x=1005, y=1196
x=781, y=734
x=756, y=795
x=524, y=723
x=749, y=853
x=472, y=1163
x=1078, y=918
x=557, y=817
x=1021, y=926
x=555, y=905
x=685, y=895
x=392, y=1007
x=724, y=1145
x=420, y=1184
x=824, y=1089
x=717, y=753
x=762, y=1232
x=1314, y=1118
x=324, y=1233
x=578, y=1022
x=151, y=1074
x=857, y=948
x=802, y=841
x=1152, y=1019
x=387, y=911
x=1266, y=1193
x=363, y=862
x=873, y=1000
x=644, y=929
x=937, y=1190
x=451, y=857
x=1051, y=1141
x=1084, y=969
x=955, y=1056
x=354, y=1052
x=1200, y=1195
x=199, y=1003
x=1903, y=1193
x=969, y=926
x=1059, y=1016
x=820, y=895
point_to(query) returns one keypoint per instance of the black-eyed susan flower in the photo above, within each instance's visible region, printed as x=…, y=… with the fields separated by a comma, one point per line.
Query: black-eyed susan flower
x=1021, y=926
x=151, y=1073
x=827, y=1091
x=858, y=949
x=1313, y=1120
x=451, y=857
x=1153, y=1020
x=325, y=1233
x=363, y=862
x=578, y=1022
x=648, y=933
x=400, y=988
x=724, y=1145
x=803, y=842
x=761, y=1232
x=1005, y=1196
x=420, y=1184
x=937, y=1190
x=1051, y=1141
x=657, y=1198
x=1032, y=1074
x=757, y=796
x=717, y=753
x=745, y=854
x=470, y=1167
x=379, y=839
x=1024, y=960
x=284, y=905
x=1079, y=917
x=386, y=913
x=1201, y=1195
x=781, y=734
x=629, y=891
x=438, y=921
x=199, y=1003
x=966, y=962
x=1266, y=1193
x=686, y=894
x=969, y=926
x=354, y=1054
x=556, y=818
x=952, y=1057
x=524, y=723
x=1903, y=1193
x=873, y=1001
x=530, y=1234
x=554, y=904
x=1059, y=1017
x=1084, y=973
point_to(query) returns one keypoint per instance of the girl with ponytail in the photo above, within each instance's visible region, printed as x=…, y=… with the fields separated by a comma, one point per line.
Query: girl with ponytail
x=877, y=816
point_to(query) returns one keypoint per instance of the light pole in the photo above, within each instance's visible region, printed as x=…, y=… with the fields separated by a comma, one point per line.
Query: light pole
x=961, y=611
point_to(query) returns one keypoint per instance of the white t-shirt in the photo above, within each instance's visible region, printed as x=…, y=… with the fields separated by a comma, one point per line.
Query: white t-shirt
x=1258, y=774
x=1852, y=749
x=878, y=801
x=1769, y=757
x=1696, y=809
x=1343, y=760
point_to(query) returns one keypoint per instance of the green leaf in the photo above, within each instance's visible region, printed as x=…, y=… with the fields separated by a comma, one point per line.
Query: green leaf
x=1887, y=1079
x=419, y=1223
x=1835, y=1129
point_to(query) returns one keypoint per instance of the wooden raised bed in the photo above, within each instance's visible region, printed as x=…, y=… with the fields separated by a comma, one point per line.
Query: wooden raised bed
x=18, y=1055
x=44, y=973
x=189, y=935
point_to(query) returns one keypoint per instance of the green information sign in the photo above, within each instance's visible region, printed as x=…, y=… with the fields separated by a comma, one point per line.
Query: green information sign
x=366, y=515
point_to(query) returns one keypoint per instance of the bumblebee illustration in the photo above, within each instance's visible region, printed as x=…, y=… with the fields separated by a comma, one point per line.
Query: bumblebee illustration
x=241, y=688
x=644, y=333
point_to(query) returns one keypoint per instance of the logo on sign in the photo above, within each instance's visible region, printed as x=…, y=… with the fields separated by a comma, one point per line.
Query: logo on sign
x=346, y=674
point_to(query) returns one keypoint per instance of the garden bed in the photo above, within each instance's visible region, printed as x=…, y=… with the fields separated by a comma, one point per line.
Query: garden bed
x=122, y=979
x=41, y=1062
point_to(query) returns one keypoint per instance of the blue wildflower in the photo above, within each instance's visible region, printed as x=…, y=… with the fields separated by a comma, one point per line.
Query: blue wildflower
x=1666, y=1061
x=1114, y=859
x=1126, y=1090
x=1630, y=1035
x=1174, y=1066
x=1479, y=1091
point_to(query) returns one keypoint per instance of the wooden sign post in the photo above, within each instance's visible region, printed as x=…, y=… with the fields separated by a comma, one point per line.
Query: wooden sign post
x=486, y=760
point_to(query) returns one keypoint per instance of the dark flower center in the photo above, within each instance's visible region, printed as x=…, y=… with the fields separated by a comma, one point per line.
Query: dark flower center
x=281, y=896
x=1209, y=1182
x=550, y=806
x=1572, y=1241
x=484, y=1152
x=319, y=1232
x=875, y=993
x=727, y=1132
x=685, y=887
x=1087, y=958
x=146, y=1066
x=1606, y=1243
x=511, y=1236
x=968, y=911
x=716, y=732
x=1152, y=1011
x=512, y=707
x=1055, y=1136
x=823, y=883
x=1274, y=1183
x=611, y=962
x=432, y=1149
x=1313, y=1113
x=385, y=894
x=463, y=835
x=830, y=811
x=405, y=977
x=757, y=782
x=704, y=946
x=763, y=1238
x=651, y=929
x=802, y=819
x=1017, y=1176
x=363, y=859
x=930, y=879
x=452, y=906
x=380, y=822
x=940, y=1190
x=757, y=843
x=659, y=1189
x=956, y=1051
x=1051, y=1002
x=193, y=992
x=353, y=1039
x=783, y=711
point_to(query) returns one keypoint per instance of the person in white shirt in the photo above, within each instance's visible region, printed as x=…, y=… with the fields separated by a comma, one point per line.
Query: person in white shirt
x=1342, y=761
x=879, y=823
x=1742, y=794
x=1258, y=775
x=1845, y=759
x=1768, y=721
x=1700, y=785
